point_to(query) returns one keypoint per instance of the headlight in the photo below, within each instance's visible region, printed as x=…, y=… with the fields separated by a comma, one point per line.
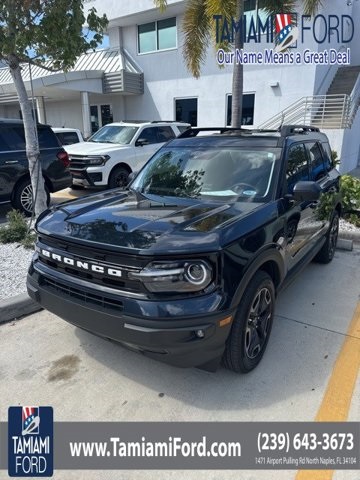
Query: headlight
x=170, y=277
x=98, y=160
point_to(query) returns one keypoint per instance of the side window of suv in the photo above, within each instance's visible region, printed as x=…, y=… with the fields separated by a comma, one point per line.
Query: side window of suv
x=297, y=166
x=317, y=166
x=149, y=134
x=165, y=134
x=12, y=138
x=157, y=134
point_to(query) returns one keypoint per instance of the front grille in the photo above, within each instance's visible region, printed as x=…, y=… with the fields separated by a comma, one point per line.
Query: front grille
x=82, y=296
x=92, y=256
x=82, y=161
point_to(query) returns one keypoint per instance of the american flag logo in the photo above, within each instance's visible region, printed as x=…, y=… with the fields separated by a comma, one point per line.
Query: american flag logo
x=30, y=420
x=286, y=31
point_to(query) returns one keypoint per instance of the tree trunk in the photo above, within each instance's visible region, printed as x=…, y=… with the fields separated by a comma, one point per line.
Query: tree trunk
x=238, y=80
x=31, y=139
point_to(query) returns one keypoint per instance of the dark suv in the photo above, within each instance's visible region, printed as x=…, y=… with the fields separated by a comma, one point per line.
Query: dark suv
x=185, y=265
x=15, y=185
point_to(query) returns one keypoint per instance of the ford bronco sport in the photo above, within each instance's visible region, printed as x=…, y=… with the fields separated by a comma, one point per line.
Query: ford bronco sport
x=184, y=266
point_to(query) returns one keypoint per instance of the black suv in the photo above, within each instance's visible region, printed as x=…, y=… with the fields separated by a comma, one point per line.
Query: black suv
x=185, y=265
x=15, y=185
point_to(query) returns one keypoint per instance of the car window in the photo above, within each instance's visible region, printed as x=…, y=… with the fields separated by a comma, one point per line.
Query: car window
x=327, y=156
x=165, y=134
x=182, y=128
x=297, y=165
x=67, y=138
x=317, y=166
x=12, y=138
x=201, y=172
x=150, y=135
x=47, y=138
x=122, y=134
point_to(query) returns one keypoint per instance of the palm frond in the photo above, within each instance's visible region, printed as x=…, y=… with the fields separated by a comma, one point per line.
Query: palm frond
x=226, y=8
x=311, y=6
x=161, y=4
x=196, y=28
x=272, y=7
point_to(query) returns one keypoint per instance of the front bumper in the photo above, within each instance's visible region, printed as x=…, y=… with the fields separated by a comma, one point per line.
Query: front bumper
x=90, y=176
x=146, y=326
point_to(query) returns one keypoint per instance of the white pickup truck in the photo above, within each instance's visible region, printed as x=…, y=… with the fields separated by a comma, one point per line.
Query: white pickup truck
x=118, y=149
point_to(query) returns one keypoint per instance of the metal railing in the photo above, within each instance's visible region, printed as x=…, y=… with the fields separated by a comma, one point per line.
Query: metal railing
x=323, y=111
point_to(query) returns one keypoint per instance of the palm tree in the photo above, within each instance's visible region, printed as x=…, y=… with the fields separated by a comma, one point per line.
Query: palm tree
x=198, y=29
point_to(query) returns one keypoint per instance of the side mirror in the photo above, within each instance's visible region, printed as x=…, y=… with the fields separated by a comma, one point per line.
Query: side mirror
x=306, y=191
x=140, y=142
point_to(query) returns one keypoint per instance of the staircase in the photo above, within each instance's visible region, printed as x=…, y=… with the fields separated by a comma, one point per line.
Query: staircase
x=344, y=81
x=335, y=110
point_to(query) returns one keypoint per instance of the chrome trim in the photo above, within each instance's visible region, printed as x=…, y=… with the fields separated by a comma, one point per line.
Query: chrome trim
x=46, y=271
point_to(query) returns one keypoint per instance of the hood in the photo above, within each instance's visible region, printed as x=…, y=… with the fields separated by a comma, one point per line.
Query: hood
x=144, y=224
x=93, y=148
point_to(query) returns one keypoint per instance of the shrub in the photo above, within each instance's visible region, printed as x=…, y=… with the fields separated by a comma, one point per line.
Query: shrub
x=17, y=230
x=350, y=192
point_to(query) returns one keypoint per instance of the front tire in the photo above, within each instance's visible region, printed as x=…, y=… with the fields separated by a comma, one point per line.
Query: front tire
x=327, y=252
x=119, y=178
x=23, y=200
x=252, y=324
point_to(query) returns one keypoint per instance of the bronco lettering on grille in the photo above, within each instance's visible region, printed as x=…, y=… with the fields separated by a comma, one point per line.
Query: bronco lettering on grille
x=81, y=264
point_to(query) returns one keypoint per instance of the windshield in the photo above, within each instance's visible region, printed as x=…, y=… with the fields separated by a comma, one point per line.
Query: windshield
x=114, y=134
x=201, y=172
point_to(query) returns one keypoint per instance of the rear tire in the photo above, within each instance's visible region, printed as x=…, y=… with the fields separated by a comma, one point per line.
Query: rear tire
x=251, y=326
x=119, y=178
x=23, y=200
x=326, y=254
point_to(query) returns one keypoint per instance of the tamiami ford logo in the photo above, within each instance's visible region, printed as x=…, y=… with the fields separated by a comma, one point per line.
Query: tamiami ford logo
x=285, y=36
x=30, y=441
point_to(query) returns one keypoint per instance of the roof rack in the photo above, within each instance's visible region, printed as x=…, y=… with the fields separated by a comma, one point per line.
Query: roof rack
x=168, y=121
x=193, y=131
x=284, y=131
x=287, y=130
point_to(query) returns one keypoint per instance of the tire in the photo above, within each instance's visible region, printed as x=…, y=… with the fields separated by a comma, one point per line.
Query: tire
x=75, y=186
x=118, y=178
x=252, y=325
x=22, y=199
x=326, y=254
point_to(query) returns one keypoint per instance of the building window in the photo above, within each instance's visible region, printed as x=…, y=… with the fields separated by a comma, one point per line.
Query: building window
x=160, y=35
x=100, y=115
x=247, y=109
x=186, y=110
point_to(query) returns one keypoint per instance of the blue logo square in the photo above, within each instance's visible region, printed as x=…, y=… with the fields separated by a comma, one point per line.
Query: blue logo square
x=30, y=441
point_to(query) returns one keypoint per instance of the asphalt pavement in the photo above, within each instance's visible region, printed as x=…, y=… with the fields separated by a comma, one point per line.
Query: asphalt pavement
x=310, y=371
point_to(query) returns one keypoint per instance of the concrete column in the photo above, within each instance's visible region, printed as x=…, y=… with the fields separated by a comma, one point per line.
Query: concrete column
x=40, y=108
x=85, y=109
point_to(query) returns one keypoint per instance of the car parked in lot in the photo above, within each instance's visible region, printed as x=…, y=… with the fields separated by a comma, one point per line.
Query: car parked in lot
x=184, y=266
x=15, y=184
x=68, y=136
x=117, y=149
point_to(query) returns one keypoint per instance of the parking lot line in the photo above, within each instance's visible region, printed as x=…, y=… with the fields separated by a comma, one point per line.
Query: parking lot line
x=336, y=402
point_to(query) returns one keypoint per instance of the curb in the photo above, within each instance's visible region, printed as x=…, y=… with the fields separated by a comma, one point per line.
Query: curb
x=17, y=307
x=354, y=236
x=344, y=244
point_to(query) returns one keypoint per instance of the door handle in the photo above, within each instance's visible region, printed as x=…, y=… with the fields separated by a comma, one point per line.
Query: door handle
x=11, y=161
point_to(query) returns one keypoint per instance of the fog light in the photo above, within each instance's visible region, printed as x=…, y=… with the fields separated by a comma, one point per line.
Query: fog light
x=200, y=333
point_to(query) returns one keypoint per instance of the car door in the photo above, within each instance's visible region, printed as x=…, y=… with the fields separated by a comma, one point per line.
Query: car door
x=155, y=137
x=301, y=224
x=13, y=160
